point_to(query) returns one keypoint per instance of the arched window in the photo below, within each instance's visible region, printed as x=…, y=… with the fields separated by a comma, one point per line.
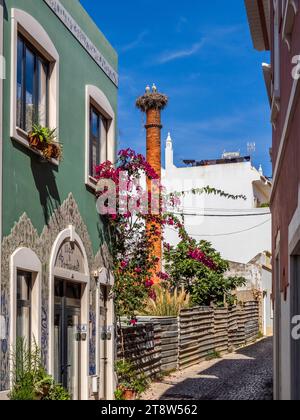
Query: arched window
x=69, y=301
x=100, y=132
x=25, y=297
x=34, y=98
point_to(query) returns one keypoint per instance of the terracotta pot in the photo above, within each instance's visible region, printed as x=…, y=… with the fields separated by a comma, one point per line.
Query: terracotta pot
x=52, y=151
x=34, y=141
x=129, y=394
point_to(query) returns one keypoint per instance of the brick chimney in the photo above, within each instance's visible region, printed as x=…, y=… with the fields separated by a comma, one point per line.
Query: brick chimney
x=152, y=103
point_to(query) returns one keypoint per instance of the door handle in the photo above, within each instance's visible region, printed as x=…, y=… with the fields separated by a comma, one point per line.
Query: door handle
x=64, y=368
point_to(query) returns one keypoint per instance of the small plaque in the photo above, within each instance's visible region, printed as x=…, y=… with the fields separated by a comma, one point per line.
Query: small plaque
x=82, y=329
x=2, y=328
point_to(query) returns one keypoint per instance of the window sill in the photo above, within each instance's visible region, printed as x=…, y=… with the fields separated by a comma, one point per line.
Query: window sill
x=21, y=137
x=4, y=395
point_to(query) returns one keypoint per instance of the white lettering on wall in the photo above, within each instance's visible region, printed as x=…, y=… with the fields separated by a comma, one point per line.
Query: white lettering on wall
x=83, y=39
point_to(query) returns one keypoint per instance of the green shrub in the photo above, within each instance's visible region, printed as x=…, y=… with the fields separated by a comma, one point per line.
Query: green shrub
x=206, y=281
x=213, y=355
x=129, y=378
x=58, y=393
x=30, y=379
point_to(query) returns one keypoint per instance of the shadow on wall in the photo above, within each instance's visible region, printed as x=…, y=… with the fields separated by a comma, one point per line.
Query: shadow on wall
x=247, y=376
x=5, y=12
x=44, y=178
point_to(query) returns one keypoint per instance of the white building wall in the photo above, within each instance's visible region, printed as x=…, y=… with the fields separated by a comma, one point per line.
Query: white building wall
x=267, y=302
x=222, y=232
x=237, y=229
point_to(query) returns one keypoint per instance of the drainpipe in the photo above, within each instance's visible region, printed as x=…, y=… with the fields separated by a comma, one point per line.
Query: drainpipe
x=152, y=103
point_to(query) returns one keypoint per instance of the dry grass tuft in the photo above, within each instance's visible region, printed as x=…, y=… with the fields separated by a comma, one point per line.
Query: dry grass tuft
x=167, y=303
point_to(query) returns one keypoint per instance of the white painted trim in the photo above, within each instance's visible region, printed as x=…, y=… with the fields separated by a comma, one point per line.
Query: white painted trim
x=264, y=320
x=267, y=73
x=94, y=94
x=277, y=245
x=256, y=24
x=110, y=367
x=4, y=395
x=25, y=259
x=36, y=34
x=291, y=9
x=106, y=277
x=294, y=228
x=285, y=133
x=275, y=109
x=70, y=234
x=98, y=331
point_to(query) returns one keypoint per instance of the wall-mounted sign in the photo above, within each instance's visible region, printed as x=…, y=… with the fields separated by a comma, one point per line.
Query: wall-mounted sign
x=82, y=329
x=105, y=277
x=70, y=258
x=83, y=39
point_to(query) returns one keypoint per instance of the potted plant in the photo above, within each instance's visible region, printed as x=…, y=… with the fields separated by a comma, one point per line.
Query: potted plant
x=30, y=381
x=44, y=139
x=125, y=392
x=40, y=136
x=53, y=151
x=131, y=383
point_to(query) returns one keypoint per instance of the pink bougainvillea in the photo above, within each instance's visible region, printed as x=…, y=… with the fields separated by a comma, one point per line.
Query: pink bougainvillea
x=200, y=256
x=131, y=244
x=163, y=276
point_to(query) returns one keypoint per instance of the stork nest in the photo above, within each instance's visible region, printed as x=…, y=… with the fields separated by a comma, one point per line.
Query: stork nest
x=152, y=101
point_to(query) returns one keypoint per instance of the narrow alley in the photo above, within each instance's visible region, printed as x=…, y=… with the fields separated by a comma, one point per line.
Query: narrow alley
x=244, y=375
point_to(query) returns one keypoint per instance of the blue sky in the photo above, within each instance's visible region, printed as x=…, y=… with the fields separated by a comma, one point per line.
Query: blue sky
x=201, y=55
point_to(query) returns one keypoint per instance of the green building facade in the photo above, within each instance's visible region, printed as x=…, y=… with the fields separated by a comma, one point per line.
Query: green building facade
x=60, y=72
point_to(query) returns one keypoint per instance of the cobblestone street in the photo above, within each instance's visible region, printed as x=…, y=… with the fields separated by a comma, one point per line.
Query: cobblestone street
x=244, y=375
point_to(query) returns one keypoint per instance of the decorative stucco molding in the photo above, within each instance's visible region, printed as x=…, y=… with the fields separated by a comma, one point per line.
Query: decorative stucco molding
x=25, y=235
x=66, y=215
x=103, y=258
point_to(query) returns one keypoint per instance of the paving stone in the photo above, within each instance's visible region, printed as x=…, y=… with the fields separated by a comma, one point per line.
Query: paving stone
x=244, y=375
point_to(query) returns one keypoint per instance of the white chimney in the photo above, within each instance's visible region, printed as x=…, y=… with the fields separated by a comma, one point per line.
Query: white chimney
x=169, y=153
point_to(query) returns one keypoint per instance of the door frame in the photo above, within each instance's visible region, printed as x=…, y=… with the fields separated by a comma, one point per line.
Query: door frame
x=73, y=276
x=24, y=259
x=64, y=311
x=278, y=333
x=106, y=279
x=294, y=253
